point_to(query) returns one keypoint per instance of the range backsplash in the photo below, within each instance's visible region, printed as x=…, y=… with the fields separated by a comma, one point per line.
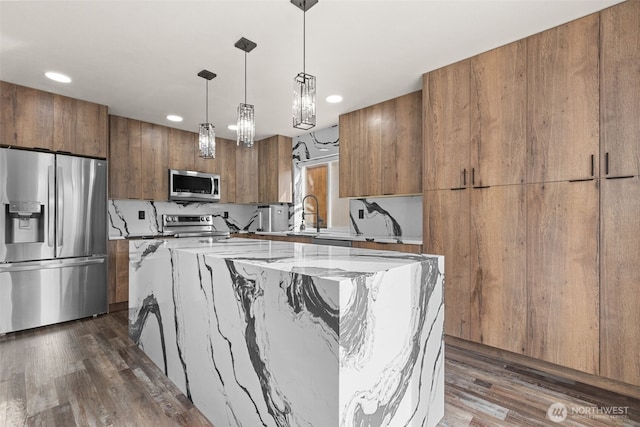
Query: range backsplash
x=124, y=222
x=387, y=216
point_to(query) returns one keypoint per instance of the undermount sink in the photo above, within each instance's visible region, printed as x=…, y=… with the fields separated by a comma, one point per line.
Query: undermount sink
x=302, y=233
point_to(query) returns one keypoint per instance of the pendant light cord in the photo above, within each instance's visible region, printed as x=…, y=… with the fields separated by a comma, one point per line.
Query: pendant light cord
x=206, y=103
x=245, y=76
x=304, y=38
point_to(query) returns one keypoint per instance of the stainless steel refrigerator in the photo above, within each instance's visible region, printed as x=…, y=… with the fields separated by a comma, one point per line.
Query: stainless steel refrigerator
x=53, y=238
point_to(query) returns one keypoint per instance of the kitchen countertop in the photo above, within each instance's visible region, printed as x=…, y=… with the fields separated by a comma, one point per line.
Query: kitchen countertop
x=408, y=240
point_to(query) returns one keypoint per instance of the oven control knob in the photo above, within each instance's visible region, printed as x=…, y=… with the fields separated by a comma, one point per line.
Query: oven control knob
x=168, y=219
x=208, y=218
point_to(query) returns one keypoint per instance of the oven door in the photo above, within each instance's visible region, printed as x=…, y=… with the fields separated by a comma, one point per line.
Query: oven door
x=193, y=186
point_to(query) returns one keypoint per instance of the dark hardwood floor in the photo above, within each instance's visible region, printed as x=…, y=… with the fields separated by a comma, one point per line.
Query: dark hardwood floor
x=88, y=373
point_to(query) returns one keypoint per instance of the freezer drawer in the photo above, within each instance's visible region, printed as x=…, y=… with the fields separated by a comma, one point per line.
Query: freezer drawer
x=41, y=293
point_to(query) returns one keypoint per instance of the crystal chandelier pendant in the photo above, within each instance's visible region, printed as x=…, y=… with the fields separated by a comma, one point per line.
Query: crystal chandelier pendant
x=207, y=141
x=304, y=101
x=246, y=125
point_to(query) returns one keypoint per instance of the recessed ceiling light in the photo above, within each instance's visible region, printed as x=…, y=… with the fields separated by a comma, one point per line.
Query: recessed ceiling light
x=333, y=99
x=232, y=127
x=58, y=77
x=174, y=118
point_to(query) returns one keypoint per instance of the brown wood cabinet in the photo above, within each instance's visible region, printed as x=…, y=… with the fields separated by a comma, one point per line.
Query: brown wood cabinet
x=562, y=274
x=475, y=120
x=138, y=154
x=118, y=275
x=80, y=127
x=620, y=280
x=26, y=117
x=497, y=262
x=32, y=118
x=182, y=149
x=246, y=174
x=446, y=216
x=563, y=121
x=447, y=127
x=274, y=169
x=498, y=112
x=224, y=164
x=619, y=90
x=381, y=148
x=381, y=246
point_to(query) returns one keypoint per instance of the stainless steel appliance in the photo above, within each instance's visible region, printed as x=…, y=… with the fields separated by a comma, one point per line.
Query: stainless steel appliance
x=191, y=186
x=53, y=238
x=271, y=218
x=190, y=226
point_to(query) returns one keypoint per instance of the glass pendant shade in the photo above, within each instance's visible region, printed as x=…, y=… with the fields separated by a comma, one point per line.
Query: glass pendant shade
x=304, y=101
x=246, y=126
x=207, y=141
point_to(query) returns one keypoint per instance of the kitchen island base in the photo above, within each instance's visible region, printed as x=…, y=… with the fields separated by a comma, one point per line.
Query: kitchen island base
x=260, y=333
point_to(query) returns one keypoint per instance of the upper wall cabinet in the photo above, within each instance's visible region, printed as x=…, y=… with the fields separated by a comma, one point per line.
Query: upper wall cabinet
x=381, y=148
x=620, y=90
x=182, y=149
x=224, y=164
x=563, y=124
x=32, y=118
x=138, y=160
x=247, y=174
x=274, y=170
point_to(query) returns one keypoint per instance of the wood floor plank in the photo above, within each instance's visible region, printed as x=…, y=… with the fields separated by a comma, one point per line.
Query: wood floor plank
x=89, y=373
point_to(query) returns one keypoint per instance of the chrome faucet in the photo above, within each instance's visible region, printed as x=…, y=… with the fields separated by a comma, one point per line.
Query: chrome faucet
x=317, y=214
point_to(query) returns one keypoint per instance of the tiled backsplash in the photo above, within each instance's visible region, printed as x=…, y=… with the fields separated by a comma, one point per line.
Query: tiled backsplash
x=124, y=222
x=387, y=216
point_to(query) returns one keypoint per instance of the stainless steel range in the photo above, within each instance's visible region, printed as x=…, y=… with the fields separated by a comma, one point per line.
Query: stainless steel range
x=190, y=226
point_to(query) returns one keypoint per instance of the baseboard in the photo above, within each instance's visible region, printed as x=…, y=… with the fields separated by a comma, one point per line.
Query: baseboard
x=118, y=306
x=546, y=367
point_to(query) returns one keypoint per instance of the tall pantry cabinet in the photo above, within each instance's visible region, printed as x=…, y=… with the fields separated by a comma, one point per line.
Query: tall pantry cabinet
x=540, y=245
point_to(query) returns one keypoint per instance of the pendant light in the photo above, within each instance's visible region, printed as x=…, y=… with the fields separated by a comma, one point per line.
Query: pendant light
x=207, y=138
x=246, y=126
x=304, y=85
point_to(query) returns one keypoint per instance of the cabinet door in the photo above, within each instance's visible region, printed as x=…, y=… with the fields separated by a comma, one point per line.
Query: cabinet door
x=26, y=117
x=447, y=127
x=401, y=145
x=80, y=127
x=125, y=163
x=246, y=174
x=562, y=274
x=182, y=149
x=155, y=162
x=349, y=131
x=498, y=261
x=619, y=89
x=369, y=152
x=499, y=115
x=563, y=125
x=620, y=280
x=224, y=165
x=446, y=232
x=274, y=164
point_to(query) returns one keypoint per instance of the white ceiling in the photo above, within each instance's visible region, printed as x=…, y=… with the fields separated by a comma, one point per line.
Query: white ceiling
x=141, y=58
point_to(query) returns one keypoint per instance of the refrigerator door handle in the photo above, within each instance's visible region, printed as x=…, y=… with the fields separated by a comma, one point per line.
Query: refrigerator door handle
x=59, y=208
x=47, y=265
x=51, y=186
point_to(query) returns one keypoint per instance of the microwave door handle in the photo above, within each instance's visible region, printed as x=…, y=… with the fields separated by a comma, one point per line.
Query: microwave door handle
x=59, y=207
x=51, y=207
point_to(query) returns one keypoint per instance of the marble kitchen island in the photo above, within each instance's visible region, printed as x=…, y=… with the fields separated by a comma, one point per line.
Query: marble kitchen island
x=261, y=333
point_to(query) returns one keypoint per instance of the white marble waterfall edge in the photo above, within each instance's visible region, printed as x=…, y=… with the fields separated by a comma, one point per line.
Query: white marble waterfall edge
x=260, y=333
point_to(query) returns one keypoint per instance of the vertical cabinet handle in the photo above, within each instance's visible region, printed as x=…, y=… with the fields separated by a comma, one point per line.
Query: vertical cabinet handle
x=593, y=165
x=606, y=163
x=473, y=176
x=464, y=177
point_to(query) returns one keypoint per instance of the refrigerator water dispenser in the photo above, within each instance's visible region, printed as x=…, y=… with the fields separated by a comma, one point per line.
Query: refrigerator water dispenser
x=25, y=222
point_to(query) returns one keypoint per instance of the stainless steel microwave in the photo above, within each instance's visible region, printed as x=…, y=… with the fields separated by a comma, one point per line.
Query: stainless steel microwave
x=191, y=186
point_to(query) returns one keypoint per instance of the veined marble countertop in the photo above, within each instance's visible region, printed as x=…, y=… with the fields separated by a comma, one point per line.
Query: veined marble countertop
x=409, y=240
x=276, y=334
